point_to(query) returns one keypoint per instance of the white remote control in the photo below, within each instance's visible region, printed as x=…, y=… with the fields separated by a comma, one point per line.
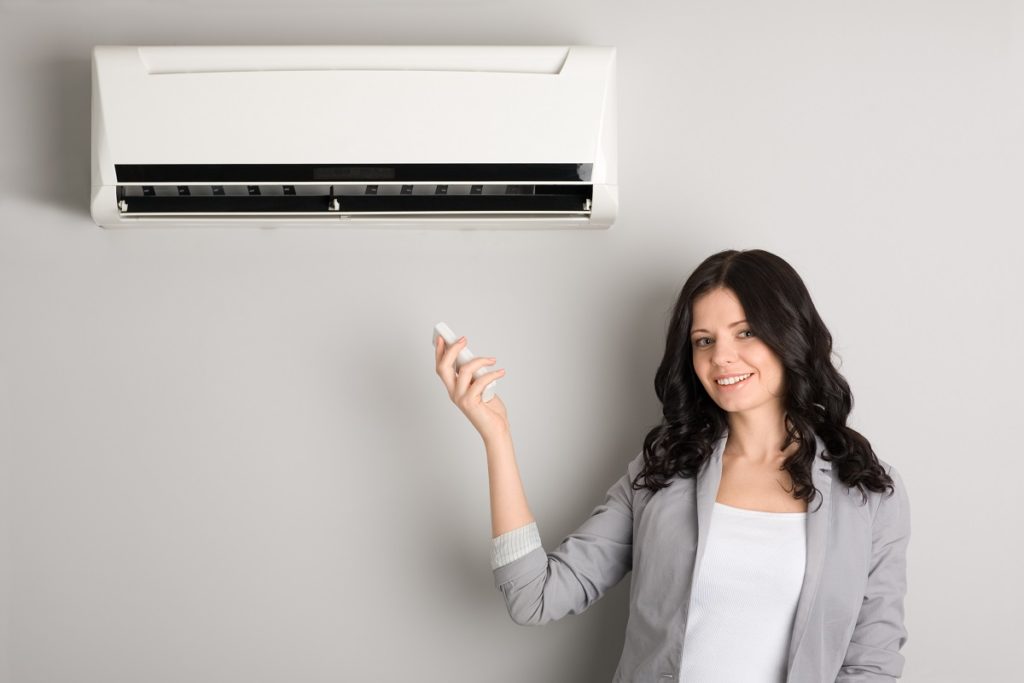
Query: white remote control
x=465, y=355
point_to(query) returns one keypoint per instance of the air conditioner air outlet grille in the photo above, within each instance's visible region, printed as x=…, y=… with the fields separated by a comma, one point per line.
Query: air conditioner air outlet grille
x=345, y=189
x=352, y=199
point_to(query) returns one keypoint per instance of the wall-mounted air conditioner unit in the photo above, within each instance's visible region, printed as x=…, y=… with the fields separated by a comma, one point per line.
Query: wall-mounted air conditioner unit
x=381, y=136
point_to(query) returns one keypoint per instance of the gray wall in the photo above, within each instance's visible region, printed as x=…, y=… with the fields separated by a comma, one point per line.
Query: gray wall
x=226, y=455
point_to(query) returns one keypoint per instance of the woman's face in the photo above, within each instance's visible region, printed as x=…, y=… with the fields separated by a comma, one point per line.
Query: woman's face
x=724, y=345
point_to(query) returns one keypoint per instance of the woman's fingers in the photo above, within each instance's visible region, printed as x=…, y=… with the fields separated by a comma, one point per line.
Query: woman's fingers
x=439, y=347
x=445, y=354
x=483, y=381
x=465, y=375
x=458, y=383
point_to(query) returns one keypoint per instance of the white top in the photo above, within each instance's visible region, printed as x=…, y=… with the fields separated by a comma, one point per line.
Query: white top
x=743, y=604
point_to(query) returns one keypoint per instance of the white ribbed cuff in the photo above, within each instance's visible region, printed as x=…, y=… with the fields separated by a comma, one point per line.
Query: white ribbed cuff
x=514, y=544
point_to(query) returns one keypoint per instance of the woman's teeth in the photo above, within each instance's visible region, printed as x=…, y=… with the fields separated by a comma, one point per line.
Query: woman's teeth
x=733, y=380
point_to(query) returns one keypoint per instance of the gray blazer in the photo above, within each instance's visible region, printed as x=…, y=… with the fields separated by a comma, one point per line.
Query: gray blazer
x=848, y=625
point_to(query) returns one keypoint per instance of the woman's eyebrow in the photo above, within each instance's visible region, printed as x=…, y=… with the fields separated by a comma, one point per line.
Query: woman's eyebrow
x=732, y=325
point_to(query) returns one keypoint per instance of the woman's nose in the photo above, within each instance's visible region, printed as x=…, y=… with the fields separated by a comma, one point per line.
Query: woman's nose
x=723, y=355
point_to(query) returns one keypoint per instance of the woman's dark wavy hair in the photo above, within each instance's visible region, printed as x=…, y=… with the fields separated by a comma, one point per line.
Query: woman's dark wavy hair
x=817, y=398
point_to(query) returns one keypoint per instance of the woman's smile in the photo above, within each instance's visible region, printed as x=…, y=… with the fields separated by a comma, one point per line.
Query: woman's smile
x=732, y=384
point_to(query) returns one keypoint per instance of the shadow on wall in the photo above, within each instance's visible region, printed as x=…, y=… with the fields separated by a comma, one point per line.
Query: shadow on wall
x=60, y=114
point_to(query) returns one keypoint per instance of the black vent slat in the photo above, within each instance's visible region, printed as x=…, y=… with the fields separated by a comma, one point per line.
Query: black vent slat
x=370, y=173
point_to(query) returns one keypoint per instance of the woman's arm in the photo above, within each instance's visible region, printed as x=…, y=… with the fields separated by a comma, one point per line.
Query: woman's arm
x=539, y=587
x=874, y=652
x=509, y=509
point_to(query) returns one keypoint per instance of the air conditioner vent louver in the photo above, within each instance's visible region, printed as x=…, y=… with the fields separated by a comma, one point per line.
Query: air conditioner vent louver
x=351, y=199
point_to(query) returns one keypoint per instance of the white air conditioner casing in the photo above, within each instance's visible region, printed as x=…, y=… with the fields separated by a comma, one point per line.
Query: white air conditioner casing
x=368, y=136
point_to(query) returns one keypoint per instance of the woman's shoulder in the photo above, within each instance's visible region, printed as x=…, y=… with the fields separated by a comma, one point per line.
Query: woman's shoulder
x=636, y=464
x=895, y=502
x=890, y=510
x=888, y=506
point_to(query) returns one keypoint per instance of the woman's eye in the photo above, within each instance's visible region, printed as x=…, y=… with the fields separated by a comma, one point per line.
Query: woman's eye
x=747, y=332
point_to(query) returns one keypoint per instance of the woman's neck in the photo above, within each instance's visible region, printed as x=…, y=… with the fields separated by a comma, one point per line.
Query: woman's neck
x=757, y=439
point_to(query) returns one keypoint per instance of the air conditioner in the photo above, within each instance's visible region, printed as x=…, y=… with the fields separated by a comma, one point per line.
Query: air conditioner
x=381, y=136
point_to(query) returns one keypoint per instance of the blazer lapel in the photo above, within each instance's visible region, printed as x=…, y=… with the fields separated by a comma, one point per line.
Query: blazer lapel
x=708, y=479
x=818, y=524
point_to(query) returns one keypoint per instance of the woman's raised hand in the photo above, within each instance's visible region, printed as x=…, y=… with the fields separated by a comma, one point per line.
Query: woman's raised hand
x=490, y=418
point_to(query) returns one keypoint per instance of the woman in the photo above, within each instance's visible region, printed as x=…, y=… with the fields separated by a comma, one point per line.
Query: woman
x=735, y=576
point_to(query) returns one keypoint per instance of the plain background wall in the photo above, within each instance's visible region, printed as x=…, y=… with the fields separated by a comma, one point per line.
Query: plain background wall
x=226, y=455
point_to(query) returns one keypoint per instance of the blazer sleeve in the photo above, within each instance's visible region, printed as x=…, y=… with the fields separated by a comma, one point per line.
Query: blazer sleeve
x=545, y=586
x=874, y=652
